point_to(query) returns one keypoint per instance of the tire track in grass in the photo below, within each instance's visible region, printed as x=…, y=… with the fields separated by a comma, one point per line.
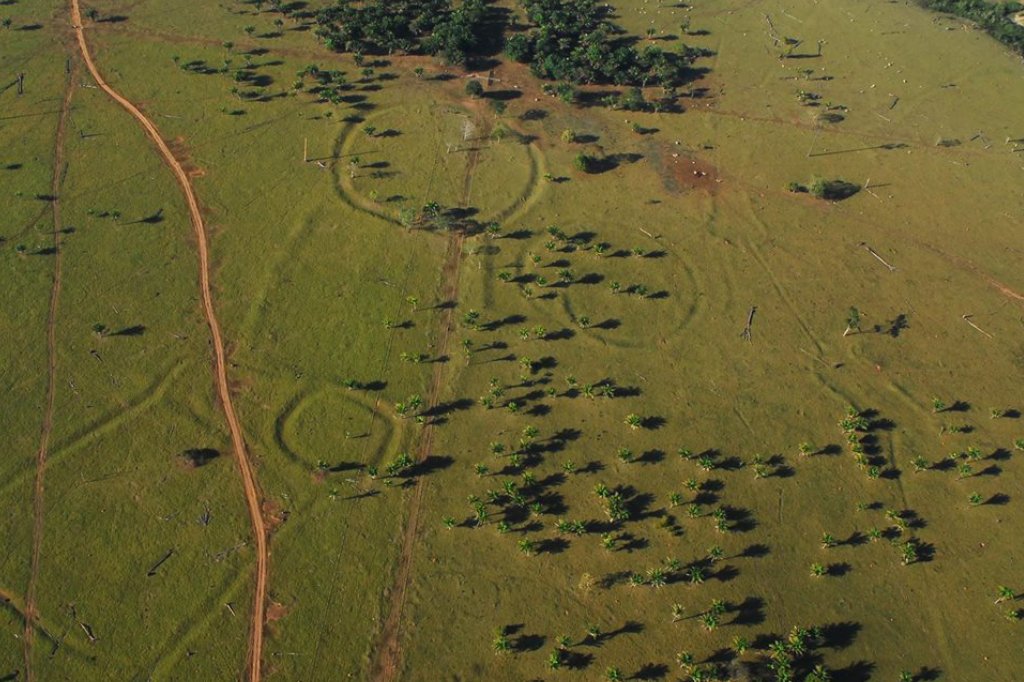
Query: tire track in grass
x=252, y=495
x=387, y=656
x=388, y=651
x=31, y=612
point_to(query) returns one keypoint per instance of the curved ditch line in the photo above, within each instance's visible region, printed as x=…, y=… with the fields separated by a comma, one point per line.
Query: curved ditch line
x=31, y=610
x=98, y=428
x=192, y=630
x=686, y=318
x=352, y=198
x=252, y=494
x=35, y=221
x=298, y=402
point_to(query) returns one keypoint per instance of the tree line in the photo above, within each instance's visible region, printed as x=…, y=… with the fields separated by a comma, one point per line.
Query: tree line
x=996, y=18
x=571, y=42
x=433, y=27
x=574, y=42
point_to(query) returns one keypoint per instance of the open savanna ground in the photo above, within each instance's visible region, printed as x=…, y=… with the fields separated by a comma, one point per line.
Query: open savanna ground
x=531, y=389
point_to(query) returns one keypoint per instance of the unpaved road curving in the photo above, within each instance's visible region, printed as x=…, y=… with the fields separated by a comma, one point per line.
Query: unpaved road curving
x=252, y=495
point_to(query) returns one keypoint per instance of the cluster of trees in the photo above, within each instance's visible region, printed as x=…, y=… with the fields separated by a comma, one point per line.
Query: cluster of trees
x=994, y=17
x=434, y=27
x=572, y=41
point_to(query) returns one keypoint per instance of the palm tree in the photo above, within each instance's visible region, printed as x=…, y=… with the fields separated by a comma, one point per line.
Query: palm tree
x=656, y=577
x=700, y=675
x=677, y=612
x=710, y=621
x=501, y=643
x=633, y=421
x=1005, y=594
x=613, y=674
x=555, y=657
x=695, y=574
x=527, y=547
x=740, y=645
x=817, y=570
x=827, y=541
x=685, y=660
x=448, y=522
x=852, y=321
x=909, y=552
x=819, y=674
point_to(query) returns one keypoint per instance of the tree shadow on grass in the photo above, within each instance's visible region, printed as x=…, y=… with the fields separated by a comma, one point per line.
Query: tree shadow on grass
x=135, y=330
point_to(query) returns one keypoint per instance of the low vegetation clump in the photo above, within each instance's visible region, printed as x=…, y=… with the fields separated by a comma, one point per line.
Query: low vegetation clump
x=830, y=190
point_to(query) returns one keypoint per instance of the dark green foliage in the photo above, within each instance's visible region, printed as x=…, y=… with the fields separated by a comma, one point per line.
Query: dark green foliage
x=587, y=164
x=474, y=88
x=833, y=190
x=995, y=18
x=411, y=26
x=572, y=41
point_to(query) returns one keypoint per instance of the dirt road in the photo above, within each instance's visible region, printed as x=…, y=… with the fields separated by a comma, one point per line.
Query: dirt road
x=31, y=612
x=252, y=495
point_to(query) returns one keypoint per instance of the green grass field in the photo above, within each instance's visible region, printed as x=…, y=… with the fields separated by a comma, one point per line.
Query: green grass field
x=335, y=309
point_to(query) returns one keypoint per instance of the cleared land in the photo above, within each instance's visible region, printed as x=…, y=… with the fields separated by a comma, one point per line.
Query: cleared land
x=343, y=336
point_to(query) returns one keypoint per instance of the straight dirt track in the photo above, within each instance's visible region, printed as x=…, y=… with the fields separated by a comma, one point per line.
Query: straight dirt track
x=252, y=495
x=31, y=612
